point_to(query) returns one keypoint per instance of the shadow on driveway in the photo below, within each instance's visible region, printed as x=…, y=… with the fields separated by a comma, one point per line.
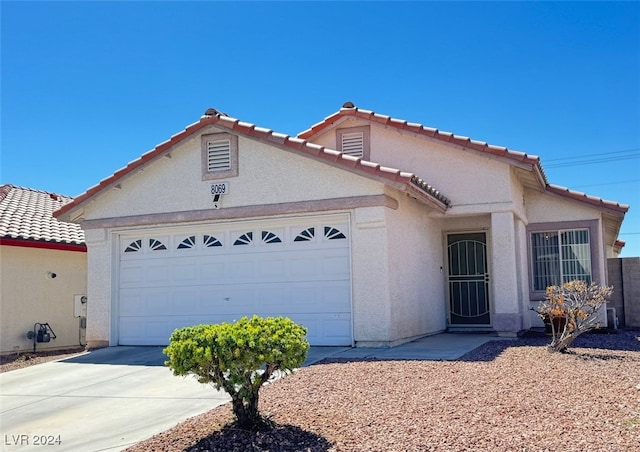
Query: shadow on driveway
x=123, y=356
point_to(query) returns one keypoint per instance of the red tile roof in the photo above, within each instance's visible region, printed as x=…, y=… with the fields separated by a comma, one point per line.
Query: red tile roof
x=350, y=110
x=403, y=180
x=406, y=181
x=26, y=219
x=582, y=197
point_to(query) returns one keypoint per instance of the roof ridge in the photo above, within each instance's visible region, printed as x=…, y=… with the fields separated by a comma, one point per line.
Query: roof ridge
x=213, y=117
x=349, y=109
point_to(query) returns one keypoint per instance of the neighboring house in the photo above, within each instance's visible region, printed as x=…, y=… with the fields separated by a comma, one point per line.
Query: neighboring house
x=369, y=230
x=43, y=267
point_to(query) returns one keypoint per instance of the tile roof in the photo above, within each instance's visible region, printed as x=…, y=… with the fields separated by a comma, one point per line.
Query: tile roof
x=26, y=216
x=583, y=197
x=403, y=180
x=350, y=110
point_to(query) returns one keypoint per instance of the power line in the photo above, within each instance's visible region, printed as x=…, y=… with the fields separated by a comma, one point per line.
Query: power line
x=592, y=161
x=592, y=155
x=608, y=183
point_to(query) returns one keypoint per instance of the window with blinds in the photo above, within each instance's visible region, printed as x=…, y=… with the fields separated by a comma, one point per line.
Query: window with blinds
x=560, y=256
x=219, y=155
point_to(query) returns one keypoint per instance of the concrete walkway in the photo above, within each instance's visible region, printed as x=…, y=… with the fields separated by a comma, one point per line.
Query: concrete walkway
x=439, y=347
x=112, y=398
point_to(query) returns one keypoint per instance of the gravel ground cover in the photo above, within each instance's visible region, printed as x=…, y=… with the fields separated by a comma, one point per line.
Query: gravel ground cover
x=25, y=359
x=503, y=396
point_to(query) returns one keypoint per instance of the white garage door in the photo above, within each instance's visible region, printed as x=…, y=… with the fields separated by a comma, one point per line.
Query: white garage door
x=298, y=268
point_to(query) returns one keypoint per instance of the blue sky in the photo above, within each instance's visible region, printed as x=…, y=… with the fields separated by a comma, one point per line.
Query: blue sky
x=87, y=87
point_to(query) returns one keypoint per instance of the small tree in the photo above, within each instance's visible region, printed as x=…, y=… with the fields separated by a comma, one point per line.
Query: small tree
x=572, y=309
x=239, y=357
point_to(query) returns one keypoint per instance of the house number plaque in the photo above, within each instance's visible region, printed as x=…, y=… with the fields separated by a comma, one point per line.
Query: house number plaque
x=217, y=190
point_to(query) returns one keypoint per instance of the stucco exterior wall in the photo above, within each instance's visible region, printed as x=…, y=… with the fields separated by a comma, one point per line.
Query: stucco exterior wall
x=29, y=296
x=370, y=277
x=100, y=287
x=267, y=175
x=507, y=307
x=545, y=208
x=417, y=280
x=473, y=183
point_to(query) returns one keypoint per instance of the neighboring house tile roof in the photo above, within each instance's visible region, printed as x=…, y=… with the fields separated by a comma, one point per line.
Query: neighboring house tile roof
x=406, y=181
x=26, y=219
x=350, y=110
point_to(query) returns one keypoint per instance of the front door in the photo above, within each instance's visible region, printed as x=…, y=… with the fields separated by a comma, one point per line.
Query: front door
x=468, y=280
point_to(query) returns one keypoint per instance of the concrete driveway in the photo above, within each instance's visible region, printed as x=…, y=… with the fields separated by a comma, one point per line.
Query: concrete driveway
x=108, y=399
x=114, y=397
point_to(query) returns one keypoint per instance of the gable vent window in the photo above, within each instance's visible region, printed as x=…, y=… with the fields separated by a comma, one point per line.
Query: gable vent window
x=219, y=156
x=353, y=144
x=354, y=141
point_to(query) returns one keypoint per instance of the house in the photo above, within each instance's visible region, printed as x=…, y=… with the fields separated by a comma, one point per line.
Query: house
x=43, y=268
x=369, y=230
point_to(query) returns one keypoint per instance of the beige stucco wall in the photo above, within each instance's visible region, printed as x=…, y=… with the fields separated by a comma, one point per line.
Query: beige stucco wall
x=267, y=175
x=398, y=290
x=29, y=296
x=545, y=208
x=417, y=278
x=370, y=277
x=474, y=183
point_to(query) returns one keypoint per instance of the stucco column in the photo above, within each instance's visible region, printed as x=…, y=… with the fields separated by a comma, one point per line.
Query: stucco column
x=371, y=301
x=507, y=318
x=98, y=288
x=522, y=256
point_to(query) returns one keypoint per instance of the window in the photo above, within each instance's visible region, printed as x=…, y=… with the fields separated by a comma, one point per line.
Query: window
x=560, y=256
x=219, y=156
x=354, y=141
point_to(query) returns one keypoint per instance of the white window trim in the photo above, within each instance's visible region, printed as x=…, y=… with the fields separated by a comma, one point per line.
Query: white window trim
x=596, y=256
x=233, y=156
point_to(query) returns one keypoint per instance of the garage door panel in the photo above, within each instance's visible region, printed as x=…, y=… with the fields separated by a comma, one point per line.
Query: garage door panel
x=240, y=269
x=326, y=330
x=333, y=266
x=197, y=279
x=187, y=272
x=158, y=273
x=212, y=271
x=131, y=274
x=273, y=269
x=145, y=331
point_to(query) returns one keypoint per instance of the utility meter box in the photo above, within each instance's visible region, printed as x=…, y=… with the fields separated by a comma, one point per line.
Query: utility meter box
x=80, y=306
